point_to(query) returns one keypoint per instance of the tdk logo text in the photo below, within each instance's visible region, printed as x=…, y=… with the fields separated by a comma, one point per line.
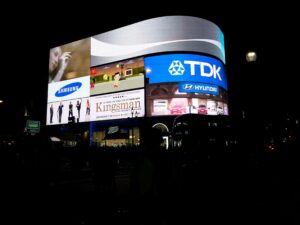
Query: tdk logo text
x=203, y=68
x=68, y=89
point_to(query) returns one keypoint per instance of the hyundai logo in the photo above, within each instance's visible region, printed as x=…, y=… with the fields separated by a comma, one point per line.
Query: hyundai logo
x=188, y=87
x=68, y=89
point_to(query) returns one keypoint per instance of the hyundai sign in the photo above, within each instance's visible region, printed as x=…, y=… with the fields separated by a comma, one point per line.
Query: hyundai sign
x=185, y=68
x=198, y=88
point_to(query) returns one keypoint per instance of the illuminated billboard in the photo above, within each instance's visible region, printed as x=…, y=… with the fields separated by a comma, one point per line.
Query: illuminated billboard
x=185, y=83
x=62, y=112
x=120, y=76
x=70, y=61
x=119, y=105
x=185, y=68
x=69, y=89
x=158, y=35
x=105, y=74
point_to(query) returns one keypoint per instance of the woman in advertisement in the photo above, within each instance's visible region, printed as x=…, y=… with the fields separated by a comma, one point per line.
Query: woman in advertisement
x=58, y=62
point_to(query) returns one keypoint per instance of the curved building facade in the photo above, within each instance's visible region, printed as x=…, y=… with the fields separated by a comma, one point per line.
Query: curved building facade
x=154, y=69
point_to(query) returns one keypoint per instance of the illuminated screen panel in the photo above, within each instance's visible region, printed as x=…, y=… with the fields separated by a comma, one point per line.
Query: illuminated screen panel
x=158, y=35
x=119, y=76
x=185, y=68
x=70, y=61
x=69, y=82
x=61, y=112
x=69, y=89
x=106, y=65
x=118, y=105
x=185, y=83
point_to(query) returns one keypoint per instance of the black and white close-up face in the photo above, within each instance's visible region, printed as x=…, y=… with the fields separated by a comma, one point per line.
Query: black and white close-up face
x=55, y=54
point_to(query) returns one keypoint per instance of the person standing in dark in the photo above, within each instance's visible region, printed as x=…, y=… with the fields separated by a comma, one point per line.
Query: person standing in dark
x=78, y=106
x=70, y=109
x=51, y=113
x=59, y=110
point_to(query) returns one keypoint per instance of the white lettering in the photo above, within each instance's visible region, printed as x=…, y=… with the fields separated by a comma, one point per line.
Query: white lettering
x=206, y=69
x=202, y=70
x=192, y=65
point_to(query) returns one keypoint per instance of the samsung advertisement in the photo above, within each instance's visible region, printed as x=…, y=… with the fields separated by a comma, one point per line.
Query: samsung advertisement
x=69, y=89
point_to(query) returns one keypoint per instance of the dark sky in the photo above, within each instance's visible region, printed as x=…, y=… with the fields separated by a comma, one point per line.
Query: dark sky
x=268, y=85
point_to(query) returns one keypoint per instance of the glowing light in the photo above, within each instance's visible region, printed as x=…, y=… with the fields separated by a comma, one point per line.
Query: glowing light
x=251, y=56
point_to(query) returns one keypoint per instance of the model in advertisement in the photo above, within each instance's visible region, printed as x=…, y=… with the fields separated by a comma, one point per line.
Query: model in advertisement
x=69, y=61
x=51, y=113
x=60, y=111
x=58, y=62
x=88, y=108
x=78, y=106
x=70, y=110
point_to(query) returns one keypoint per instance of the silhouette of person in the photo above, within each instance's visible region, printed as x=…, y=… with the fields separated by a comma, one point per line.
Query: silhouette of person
x=70, y=109
x=60, y=110
x=51, y=113
x=78, y=106
x=58, y=62
x=88, y=107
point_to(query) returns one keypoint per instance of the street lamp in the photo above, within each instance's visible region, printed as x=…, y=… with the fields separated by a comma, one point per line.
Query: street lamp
x=251, y=56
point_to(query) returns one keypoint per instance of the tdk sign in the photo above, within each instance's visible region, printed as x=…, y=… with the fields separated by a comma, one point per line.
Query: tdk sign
x=186, y=68
x=68, y=89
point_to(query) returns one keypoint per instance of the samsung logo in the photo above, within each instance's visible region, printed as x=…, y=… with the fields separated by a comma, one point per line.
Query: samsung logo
x=68, y=89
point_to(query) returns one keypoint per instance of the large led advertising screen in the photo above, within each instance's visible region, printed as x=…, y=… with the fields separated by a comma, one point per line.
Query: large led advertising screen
x=185, y=83
x=69, y=89
x=119, y=105
x=158, y=35
x=61, y=112
x=185, y=68
x=119, y=76
x=168, y=65
x=70, y=61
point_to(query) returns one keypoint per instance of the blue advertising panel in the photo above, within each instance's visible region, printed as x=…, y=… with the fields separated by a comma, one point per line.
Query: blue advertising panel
x=185, y=68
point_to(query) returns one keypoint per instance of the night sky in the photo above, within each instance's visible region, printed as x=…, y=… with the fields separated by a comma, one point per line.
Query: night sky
x=269, y=85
